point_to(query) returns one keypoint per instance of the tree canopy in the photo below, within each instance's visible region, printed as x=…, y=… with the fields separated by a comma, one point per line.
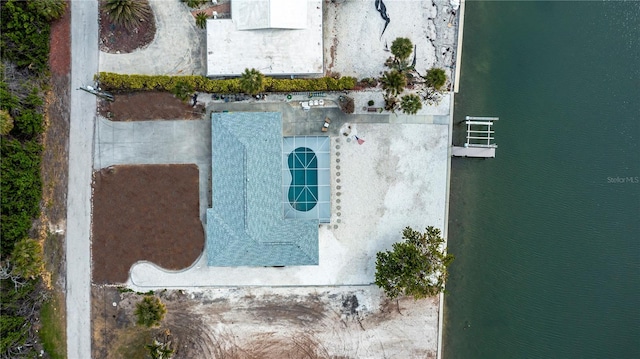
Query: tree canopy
x=416, y=267
x=436, y=78
x=410, y=104
x=252, y=81
x=401, y=48
x=393, y=82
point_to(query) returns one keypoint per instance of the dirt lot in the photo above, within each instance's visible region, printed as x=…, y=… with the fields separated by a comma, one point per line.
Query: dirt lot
x=269, y=323
x=116, y=39
x=145, y=212
x=145, y=106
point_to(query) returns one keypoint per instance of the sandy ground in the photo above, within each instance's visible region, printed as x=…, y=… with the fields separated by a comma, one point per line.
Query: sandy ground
x=345, y=322
x=354, y=45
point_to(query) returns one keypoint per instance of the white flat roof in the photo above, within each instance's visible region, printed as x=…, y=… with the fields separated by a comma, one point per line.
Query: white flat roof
x=271, y=51
x=265, y=14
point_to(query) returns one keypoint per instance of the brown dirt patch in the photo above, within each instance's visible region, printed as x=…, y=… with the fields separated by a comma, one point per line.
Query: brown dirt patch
x=54, y=166
x=147, y=212
x=60, y=44
x=144, y=106
x=117, y=39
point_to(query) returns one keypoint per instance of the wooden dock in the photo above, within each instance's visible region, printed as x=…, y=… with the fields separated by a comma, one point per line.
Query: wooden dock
x=478, y=152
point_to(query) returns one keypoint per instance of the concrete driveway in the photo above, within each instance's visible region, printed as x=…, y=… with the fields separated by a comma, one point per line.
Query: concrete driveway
x=178, y=48
x=84, y=64
x=156, y=142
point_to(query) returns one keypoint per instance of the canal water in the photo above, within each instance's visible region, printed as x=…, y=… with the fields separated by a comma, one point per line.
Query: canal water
x=547, y=235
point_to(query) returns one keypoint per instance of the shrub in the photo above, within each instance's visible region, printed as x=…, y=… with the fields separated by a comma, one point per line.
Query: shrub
x=436, y=78
x=6, y=122
x=182, y=90
x=410, y=104
x=201, y=19
x=49, y=9
x=194, y=3
x=117, y=82
x=21, y=189
x=127, y=13
x=27, y=258
x=150, y=311
x=24, y=35
x=29, y=123
x=346, y=104
x=370, y=103
x=390, y=103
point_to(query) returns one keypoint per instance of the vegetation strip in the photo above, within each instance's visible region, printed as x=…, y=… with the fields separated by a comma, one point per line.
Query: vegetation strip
x=24, y=38
x=119, y=82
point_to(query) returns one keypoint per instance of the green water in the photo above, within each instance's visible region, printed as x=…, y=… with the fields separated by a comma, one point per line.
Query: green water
x=546, y=235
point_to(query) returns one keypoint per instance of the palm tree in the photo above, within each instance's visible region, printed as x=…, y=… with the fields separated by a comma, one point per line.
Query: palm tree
x=251, y=81
x=127, y=13
x=401, y=48
x=201, y=19
x=436, y=78
x=393, y=82
x=410, y=104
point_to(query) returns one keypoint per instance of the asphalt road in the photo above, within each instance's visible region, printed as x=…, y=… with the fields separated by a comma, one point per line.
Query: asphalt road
x=84, y=64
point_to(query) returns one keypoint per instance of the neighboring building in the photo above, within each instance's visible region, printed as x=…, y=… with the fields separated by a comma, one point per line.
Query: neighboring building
x=261, y=214
x=276, y=37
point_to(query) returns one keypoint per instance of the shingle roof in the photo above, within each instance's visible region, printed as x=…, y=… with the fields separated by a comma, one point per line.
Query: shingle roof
x=245, y=225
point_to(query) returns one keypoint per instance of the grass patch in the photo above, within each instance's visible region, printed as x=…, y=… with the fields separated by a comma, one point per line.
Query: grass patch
x=134, y=343
x=52, y=332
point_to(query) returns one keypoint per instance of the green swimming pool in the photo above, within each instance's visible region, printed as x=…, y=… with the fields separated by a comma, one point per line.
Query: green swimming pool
x=303, y=189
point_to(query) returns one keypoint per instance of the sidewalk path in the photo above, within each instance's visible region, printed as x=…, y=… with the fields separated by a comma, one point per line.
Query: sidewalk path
x=84, y=64
x=178, y=48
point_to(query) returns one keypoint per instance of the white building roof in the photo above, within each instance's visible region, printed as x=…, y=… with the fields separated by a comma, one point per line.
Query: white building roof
x=269, y=14
x=272, y=51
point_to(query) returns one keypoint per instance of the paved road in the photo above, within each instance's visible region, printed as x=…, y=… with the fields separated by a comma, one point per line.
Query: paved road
x=84, y=64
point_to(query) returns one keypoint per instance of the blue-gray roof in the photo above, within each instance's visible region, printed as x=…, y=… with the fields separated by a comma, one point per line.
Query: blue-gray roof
x=245, y=226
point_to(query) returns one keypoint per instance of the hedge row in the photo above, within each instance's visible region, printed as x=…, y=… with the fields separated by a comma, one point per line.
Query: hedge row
x=117, y=82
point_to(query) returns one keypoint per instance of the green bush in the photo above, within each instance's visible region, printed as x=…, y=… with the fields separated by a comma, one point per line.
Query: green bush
x=6, y=122
x=24, y=35
x=29, y=123
x=150, y=311
x=182, y=90
x=21, y=188
x=27, y=258
x=118, y=82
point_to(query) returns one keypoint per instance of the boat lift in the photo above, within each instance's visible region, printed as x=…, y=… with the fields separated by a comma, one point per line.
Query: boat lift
x=480, y=138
